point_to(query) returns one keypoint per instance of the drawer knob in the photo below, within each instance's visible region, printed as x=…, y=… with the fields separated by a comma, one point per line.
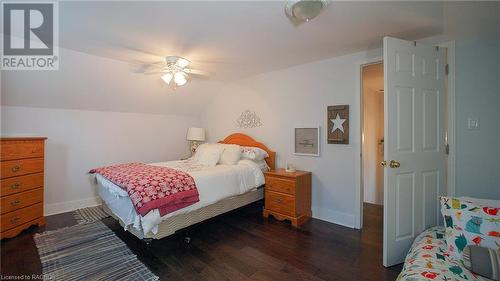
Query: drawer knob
x=15, y=168
x=15, y=202
x=15, y=185
x=279, y=200
x=14, y=220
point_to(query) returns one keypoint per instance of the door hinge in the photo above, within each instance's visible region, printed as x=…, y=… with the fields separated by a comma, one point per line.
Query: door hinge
x=447, y=149
x=447, y=69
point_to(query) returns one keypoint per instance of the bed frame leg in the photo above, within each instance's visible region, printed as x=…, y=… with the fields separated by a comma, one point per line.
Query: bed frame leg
x=187, y=237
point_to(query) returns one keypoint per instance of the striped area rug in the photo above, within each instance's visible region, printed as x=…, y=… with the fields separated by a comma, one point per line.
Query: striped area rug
x=90, y=214
x=88, y=252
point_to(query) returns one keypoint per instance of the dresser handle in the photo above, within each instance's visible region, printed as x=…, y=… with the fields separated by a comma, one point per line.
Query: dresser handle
x=14, y=220
x=15, y=202
x=15, y=185
x=15, y=168
x=279, y=200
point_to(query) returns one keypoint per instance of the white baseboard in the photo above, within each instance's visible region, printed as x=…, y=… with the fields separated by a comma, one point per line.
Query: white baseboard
x=57, y=208
x=332, y=216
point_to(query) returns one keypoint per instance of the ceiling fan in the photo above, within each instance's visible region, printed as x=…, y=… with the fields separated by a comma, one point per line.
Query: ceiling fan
x=175, y=71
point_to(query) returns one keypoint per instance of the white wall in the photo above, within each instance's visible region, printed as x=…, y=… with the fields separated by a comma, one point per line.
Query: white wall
x=299, y=96
x=478, y=96
x=80, y=140
x=474, y=28
x=373, y=151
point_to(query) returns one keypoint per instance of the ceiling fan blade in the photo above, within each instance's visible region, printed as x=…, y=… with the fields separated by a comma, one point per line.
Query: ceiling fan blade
x=153, y=72
x=142, y=67
x=198, y=72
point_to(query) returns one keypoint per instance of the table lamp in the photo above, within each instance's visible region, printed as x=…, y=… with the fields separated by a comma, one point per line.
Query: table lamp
x=196, y=136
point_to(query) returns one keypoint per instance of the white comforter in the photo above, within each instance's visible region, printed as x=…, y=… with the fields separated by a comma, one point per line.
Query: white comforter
x=213, y=184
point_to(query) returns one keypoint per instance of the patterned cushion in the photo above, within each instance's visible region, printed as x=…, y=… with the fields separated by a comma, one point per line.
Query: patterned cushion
x=427, y=260
x=470, y=222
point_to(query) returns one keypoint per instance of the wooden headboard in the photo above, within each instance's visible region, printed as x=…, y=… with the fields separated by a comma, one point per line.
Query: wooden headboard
x=245, y=140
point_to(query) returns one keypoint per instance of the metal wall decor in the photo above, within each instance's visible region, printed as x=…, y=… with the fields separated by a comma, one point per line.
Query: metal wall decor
x=248, y=119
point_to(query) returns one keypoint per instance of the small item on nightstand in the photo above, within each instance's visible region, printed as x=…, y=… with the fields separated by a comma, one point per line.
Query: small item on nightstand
x=288, y=196
x=290, y=168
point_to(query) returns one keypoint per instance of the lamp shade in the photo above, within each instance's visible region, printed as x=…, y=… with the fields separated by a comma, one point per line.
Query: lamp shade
x=196, y=134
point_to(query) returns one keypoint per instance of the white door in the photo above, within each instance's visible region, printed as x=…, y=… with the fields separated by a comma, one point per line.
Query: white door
x=414, y=176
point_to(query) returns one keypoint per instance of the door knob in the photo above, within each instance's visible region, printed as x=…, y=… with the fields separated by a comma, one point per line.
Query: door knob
x=383, y=163
x=394, y=164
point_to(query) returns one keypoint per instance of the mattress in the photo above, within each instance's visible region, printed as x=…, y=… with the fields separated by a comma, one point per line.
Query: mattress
x=213, y=183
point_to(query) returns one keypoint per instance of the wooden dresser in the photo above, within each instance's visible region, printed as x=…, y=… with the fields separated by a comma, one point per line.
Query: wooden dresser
x=288, y=196
x=21, y=188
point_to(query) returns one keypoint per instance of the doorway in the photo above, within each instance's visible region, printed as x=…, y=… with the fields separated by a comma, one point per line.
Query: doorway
x=372, y=150
x=418, y=135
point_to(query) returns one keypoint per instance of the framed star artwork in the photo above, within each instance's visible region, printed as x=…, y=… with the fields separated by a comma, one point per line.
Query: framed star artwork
x=338, y=124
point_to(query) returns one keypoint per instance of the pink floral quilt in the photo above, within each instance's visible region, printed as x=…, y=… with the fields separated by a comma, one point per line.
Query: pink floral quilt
x=152, y=187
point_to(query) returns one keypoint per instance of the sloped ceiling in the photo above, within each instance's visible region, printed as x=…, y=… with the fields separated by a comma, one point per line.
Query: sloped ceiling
x=105, y=43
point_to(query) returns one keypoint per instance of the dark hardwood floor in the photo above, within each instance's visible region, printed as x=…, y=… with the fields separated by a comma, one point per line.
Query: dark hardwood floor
x=240, y=245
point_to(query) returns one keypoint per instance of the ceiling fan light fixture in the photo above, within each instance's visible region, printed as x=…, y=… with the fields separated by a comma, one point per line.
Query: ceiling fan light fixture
x=167, y=77
x=180, y=78
x=182, y=62
x=304, y=10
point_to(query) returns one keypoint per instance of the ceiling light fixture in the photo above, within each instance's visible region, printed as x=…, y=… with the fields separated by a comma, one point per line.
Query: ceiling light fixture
x=304, y=10
x=175, y=70
x=167, y=77
x=180, y=78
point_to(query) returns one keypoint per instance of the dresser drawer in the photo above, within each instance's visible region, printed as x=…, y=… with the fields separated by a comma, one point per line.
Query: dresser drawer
x=280, y=185
x=19, y=184
x=281, y=203
x=21, y=216
x=14, y=168
x=11, y=150
x=20, y=200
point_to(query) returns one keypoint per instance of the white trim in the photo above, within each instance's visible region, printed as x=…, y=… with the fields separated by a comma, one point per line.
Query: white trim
x=358, y=183
x=62, y=207
x=335, y=217
x=451, y=107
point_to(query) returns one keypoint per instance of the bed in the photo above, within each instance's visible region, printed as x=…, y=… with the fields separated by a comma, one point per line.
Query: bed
x=221, y=188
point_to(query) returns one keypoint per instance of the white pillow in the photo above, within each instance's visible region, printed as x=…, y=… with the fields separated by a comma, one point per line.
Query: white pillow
x=263, y=165
x=231, y=154
x=199, y=151
x=209, y=155
x=253, y=153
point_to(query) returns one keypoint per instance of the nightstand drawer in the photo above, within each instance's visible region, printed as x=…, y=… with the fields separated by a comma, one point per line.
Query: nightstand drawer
x=20, y=200
x=14, y=168
x=281, y=203
x=280, y=185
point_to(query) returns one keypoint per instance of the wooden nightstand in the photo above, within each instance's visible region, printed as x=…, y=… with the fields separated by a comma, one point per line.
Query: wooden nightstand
x=288, y=196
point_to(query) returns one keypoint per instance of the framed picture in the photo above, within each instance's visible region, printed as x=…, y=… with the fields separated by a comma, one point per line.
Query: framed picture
x=337, y=130
x=307, y=141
